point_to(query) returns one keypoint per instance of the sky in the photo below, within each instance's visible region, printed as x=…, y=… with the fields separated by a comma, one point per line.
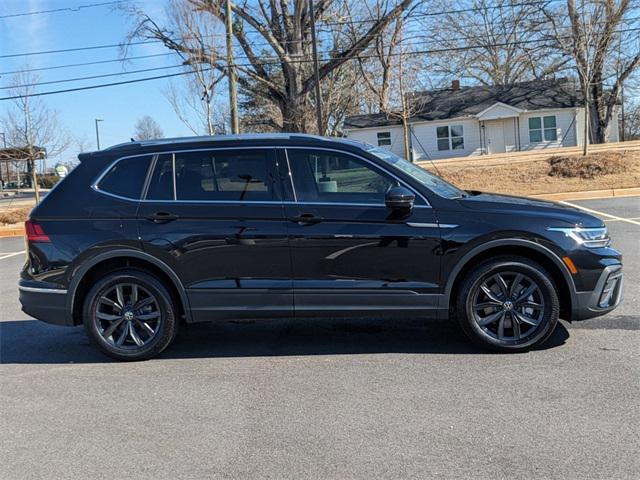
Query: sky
x=118, y=106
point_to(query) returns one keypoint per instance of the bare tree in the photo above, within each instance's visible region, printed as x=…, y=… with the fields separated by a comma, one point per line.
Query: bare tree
x=508, y=39
x=377, y=63
x=391, y=73
x=194, y=97
x=31, y=127
x=146, y=128
x=600, y=37
x=631, y=124
x=280, y=70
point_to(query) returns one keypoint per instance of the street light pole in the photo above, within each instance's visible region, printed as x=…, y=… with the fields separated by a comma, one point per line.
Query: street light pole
x=97, y=132
x=4, y=142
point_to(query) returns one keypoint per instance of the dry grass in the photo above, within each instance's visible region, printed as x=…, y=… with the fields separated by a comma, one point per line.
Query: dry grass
x=14, y=215
x=553, y=174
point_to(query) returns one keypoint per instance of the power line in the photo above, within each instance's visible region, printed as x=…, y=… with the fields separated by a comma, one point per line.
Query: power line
x=450, y=12
x=66, y=9
x=83, y=64
x=272, y=59
x=349, y=22
x=92, y=77
x=258, y=44
x=413, y=53
x=76, y=49
x=91, y=87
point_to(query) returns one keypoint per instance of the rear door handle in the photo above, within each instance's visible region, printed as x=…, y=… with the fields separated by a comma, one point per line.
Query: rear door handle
x=306, y=219
x=162, y=217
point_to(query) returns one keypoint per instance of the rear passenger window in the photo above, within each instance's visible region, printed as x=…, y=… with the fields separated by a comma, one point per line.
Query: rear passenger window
x=126, y=178
x=231, y=175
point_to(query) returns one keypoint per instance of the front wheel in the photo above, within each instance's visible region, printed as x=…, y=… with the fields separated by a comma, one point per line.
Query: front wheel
x=129, y=315
x=508, y=304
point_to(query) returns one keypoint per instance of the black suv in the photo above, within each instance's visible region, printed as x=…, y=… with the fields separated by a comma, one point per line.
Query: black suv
x=143, y=236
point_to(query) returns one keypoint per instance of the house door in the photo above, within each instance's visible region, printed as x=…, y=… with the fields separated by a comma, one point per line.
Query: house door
x=494, y=136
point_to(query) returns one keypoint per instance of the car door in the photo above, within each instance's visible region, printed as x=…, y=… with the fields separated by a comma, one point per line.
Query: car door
x=216, y=217
x=350, y=253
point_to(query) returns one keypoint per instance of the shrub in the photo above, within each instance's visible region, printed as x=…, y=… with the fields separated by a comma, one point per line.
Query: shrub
x=592, y=166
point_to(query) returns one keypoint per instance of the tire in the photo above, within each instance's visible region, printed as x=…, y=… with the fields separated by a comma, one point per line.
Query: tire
x=520, y=309
x=123, y=331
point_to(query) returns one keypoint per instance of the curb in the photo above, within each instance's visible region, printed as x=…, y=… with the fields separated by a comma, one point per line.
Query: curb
x=11, y=232
x=590, y=194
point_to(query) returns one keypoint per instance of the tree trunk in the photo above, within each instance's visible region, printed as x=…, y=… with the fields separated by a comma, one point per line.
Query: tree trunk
x=406, y=132
x=294, y=118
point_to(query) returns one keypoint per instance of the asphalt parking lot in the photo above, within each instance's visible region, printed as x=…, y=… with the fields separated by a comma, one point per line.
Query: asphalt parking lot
x=326, y=399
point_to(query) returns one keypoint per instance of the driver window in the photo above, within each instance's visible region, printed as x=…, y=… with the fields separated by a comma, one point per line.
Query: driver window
x=325, y=176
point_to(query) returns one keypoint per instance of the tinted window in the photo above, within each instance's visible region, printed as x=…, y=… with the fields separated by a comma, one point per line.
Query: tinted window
x=126, y=178
x=213, y=175
x=321, y=176
x=432, y=182
x=161, y=183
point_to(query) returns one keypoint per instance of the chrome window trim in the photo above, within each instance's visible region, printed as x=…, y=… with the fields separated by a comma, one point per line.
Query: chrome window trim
x=293, y=187
x=431, y=225
x=96, y=183
x=173, y=176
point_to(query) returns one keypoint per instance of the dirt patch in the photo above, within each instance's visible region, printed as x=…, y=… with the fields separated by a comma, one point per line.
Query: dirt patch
x=620, y=169
x=596, y=165
x=15, y=215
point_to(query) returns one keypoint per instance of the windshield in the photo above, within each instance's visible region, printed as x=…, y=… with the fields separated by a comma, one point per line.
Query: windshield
x=429, y=180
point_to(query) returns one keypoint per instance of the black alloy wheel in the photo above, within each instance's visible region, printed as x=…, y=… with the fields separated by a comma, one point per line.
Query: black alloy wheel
x=130, y=315
x=508, y=304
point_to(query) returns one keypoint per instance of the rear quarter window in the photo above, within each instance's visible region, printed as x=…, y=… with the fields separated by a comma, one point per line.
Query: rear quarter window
x=126, y=177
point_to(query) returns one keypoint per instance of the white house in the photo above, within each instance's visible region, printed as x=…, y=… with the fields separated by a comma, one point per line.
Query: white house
x=464, y=121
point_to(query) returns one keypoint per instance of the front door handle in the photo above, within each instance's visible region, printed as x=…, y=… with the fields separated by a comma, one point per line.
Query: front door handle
x=306, y=219
x=162, y=217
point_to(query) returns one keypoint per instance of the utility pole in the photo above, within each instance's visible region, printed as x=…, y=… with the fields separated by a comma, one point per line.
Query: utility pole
x=316, y=75
x=98, y=132
x=231, y=71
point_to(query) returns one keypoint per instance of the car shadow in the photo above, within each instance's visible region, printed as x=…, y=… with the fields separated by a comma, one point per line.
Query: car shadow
x=31, y=341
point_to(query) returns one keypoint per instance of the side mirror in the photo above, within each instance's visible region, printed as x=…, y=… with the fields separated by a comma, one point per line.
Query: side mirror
x=399, y=198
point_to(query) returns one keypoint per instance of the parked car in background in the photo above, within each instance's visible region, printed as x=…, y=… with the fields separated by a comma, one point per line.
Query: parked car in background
x=144, y=236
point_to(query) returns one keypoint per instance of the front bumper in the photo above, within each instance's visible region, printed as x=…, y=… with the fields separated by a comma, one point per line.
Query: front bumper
x=44, y=302
x=606, y=296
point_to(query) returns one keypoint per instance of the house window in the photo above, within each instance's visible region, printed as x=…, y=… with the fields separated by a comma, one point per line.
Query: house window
x=542, y=128
x=450, y=137
x=384, y=139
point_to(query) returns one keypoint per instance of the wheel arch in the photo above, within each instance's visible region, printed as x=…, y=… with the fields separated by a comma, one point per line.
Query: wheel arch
x=114, y=260
x=525, y=248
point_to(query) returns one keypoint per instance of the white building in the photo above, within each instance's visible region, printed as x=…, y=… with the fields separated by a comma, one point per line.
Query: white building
x=464, y=121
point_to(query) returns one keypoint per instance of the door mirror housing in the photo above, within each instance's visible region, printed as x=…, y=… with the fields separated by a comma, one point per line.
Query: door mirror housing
x=399, y=198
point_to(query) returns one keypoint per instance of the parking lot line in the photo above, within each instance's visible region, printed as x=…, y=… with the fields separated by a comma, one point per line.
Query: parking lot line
x=9, y=255
x=596, y=212
x=621, y=219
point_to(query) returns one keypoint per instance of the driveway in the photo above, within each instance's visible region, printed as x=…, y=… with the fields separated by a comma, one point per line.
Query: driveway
x=326, y=398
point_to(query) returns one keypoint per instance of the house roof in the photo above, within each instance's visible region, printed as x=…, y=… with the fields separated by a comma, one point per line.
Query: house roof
x=471, y=101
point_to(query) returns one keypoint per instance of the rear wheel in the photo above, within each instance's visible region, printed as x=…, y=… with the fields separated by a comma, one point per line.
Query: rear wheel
x=508, y=304
x=129, y=315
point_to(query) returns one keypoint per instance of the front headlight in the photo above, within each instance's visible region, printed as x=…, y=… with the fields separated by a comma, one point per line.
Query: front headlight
x=596, y=237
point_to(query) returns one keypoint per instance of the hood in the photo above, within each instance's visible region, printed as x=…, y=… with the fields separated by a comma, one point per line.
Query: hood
x=531, y=207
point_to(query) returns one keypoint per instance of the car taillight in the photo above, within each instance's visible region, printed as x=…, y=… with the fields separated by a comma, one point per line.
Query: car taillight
x=35, y=233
